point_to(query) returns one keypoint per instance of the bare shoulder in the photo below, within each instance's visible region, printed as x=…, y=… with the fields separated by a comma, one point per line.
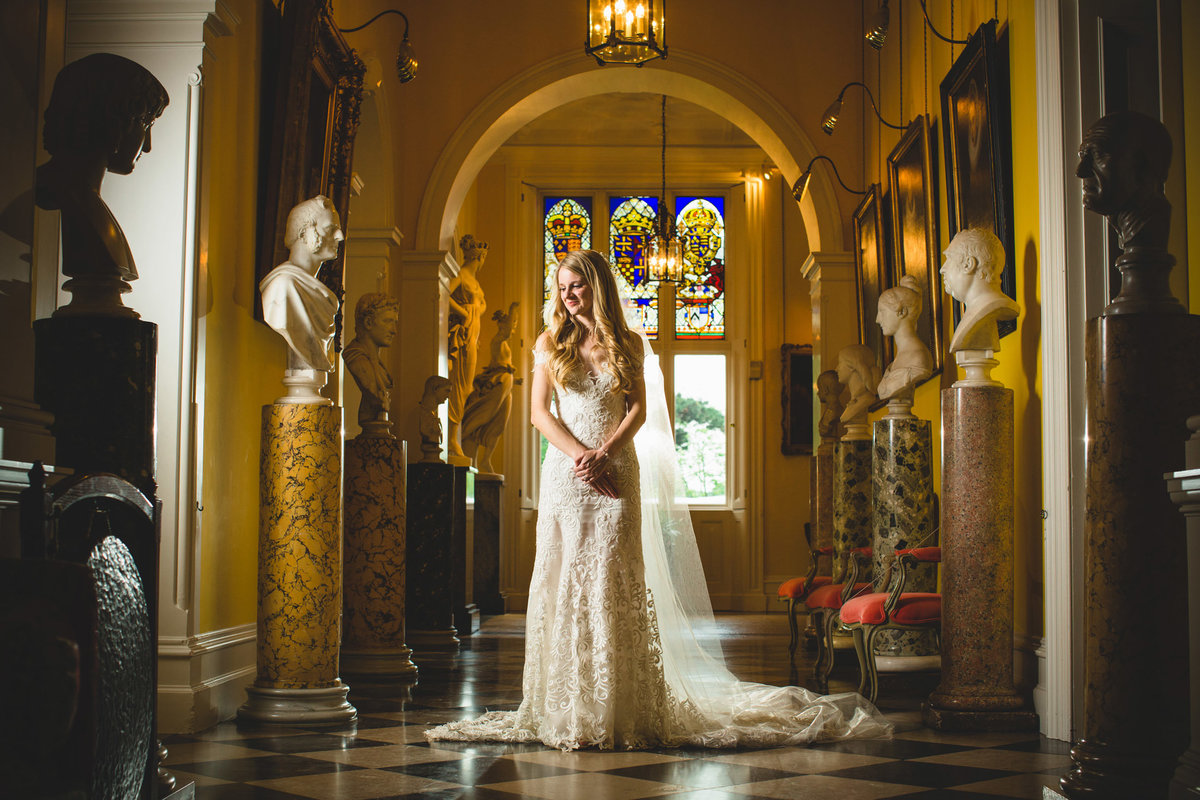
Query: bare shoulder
x=543, y=342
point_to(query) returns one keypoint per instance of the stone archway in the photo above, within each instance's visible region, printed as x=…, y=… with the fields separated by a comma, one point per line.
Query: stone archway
x=566, y=78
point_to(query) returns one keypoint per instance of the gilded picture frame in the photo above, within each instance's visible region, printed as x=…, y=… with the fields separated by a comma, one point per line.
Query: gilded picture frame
x=872, y=276
x=797, y=399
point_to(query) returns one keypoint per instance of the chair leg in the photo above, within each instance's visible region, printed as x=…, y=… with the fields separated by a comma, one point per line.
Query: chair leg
x=817, y=617
x=829, y=621
x=791, y=611
x=871, y=673
x=857, y=633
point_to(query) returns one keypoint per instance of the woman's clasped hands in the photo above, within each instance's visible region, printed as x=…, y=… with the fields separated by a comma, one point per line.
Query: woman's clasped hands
x=591, y=467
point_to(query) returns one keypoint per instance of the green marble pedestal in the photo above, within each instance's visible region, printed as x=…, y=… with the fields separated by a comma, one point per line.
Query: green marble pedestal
x=852, y=522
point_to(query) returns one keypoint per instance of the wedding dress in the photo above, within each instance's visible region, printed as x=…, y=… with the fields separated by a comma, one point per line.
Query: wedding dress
x=621, y=651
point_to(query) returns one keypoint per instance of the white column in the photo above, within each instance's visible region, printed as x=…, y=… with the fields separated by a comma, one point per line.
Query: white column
x=424, y=325
x=370, y=254
x=157, y=208
x=834, y=295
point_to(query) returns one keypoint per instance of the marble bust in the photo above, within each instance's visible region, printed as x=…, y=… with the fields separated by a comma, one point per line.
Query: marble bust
x=437, y=390
x=375, y=318
x=829, y=394
x=859, y=373
x=101, y=110
x=899, y=309
x=299, y=307
x=971, y=272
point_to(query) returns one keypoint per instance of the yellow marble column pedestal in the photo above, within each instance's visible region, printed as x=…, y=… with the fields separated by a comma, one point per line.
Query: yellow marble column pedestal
x=374, y=579
x=299, y=569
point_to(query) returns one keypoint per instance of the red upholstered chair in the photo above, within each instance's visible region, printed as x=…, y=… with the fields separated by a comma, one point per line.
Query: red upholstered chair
x=794, y=590
x=868, y=614
x=823, y=603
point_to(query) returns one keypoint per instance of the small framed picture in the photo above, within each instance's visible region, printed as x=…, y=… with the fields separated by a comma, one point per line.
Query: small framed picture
x=873, y=275
x=915, y=228
x=978, y=149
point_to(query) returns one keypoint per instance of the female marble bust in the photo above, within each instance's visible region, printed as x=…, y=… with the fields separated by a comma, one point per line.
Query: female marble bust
x=899, y=309
x=858, y=372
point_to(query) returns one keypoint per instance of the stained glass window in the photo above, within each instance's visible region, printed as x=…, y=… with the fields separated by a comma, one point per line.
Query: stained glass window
x=631, y=223
x=700, y=296
x=567, y=226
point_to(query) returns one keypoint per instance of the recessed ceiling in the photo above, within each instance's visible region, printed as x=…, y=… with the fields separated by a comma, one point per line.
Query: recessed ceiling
x=630, y=119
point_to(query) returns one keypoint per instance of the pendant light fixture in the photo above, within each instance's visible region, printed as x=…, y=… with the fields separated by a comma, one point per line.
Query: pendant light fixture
x=626, y=31
x=665, y=253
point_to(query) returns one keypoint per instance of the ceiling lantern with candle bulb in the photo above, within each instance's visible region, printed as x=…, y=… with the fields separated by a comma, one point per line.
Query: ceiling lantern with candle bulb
x=626, y=31
x=664, y=260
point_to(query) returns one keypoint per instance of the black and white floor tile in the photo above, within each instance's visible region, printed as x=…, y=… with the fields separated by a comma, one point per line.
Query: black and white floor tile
x=385, y=756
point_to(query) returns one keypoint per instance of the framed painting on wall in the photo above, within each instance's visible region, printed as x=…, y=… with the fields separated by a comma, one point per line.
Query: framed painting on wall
x=797, y=399
x=978, y=149
x=915, y=228
x=872, y=275
x=308, y=144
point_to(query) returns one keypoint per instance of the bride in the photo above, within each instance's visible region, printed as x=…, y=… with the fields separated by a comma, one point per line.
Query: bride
x=621, y=650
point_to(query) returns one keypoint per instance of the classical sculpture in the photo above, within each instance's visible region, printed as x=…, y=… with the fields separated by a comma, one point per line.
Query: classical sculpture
x=299, y=307
x=490, y=403
x=437, y=389
x=1123, y=161
x=99, y=118
x=375, y=318
x=971, y=272
x=467, y=305
x=858, y=372
x=829, y=394
x=899, y=308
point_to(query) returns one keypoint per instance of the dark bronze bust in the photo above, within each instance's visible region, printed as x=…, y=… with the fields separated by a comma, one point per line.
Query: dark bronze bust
x=1123, y=162
x=99, y=118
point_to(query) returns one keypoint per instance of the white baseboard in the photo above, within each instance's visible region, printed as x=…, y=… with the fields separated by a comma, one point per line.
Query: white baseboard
x=202, y=679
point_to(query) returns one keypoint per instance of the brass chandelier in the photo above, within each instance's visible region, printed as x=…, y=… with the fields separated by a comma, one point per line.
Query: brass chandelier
x=665, y=253
x=626, y=31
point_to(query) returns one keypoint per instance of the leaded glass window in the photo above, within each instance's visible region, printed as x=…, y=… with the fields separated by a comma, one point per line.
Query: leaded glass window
x=566, y=226
x=700, y=296
x=631, y=224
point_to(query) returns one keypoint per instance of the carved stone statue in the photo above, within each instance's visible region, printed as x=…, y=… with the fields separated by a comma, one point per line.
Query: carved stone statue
x=1123, y=162
x=490, y=403
x=829, y=394
x=899, y=309
x=437, y=389
x=467, y=305
x=971, y=272
x=299, y=307
x=375, y=318
x=858, y=372
x=98, y=120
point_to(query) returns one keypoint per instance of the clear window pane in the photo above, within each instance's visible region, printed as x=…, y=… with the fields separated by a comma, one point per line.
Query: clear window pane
x=700, y=426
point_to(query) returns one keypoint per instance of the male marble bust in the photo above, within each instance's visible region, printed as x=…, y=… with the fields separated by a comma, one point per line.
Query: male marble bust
x=971, y=273
x=375, y=318
x=296, y=305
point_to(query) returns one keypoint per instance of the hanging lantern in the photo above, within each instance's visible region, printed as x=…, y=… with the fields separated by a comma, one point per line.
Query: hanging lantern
x=665, y=260
x=626, y=31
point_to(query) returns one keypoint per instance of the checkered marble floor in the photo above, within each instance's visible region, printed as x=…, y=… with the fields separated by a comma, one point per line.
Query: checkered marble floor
x=386, y=756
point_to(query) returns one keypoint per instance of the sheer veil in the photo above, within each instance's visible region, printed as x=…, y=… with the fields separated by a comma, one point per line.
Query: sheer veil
x=730, y=712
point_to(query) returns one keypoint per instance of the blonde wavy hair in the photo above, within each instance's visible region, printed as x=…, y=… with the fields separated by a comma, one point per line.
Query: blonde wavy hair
x=621, y=347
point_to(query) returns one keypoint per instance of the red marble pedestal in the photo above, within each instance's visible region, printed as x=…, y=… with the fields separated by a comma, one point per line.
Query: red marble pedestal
x=1143, y=380
x=977, y=692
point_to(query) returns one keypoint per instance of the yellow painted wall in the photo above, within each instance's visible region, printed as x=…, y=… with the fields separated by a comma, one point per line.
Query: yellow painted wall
x=244, y=359
x=917, y=73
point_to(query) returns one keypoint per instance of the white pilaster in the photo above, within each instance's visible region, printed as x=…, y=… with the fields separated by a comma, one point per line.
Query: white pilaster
x=834, y=294
x=424, y=326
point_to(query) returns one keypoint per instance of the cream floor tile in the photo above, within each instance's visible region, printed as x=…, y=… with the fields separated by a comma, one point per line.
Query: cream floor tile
x=799, y=759
x=404, y=734
x=1014, y=785
x=184, y=778
x=357, y=784
x=587, y=786
x=807, y=787
x=1015, y=760
x=192, y=752
x=591, y=760
x=997, y=739
x=385, y=756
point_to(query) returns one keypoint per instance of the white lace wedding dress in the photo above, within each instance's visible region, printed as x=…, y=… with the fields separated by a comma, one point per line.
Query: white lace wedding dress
x=620, y=649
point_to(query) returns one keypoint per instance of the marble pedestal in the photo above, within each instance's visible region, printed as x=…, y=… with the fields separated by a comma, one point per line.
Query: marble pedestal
x=902, y=503
x=1143, y=381
x=485, y=548
x=822, y=493
x=299, y=570
x=96, y=375
x=977, y=692
x=430, y=587
x=1184, y=488
x=373, y=645
x=466, y=612
x=852, y=522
